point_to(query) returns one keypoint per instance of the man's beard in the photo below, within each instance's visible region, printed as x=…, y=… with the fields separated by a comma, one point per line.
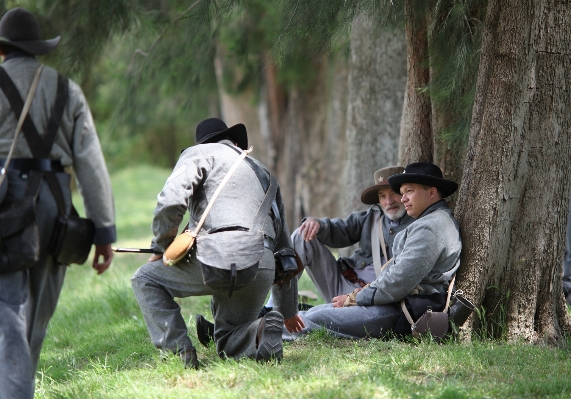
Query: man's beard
x=396, y=216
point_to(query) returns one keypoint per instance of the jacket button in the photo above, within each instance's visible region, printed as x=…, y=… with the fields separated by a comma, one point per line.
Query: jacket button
x=362, y=263
x=391, y=231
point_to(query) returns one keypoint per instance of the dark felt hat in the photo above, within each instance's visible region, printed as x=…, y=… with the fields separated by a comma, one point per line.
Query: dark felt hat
x=370, y=195
x=424, y=173
x=19, y=28
x=211, y=129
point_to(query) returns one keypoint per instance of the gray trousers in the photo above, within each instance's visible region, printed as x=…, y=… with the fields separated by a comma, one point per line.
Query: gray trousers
x=322, y=268
x=353, y=322
x=236, y=318
x=27, y=302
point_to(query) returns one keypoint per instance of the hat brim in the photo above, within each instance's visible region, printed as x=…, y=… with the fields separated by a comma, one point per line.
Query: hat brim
x=237, y=133
x=447, y=187
x=370, y=196
x=35, y=47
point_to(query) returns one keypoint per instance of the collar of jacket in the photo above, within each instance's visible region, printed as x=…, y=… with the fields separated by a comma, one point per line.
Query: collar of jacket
x=18, y=54
x=434, y=207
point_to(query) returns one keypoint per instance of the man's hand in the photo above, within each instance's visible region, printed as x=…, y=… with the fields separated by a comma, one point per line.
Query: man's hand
x=294, y=324
x=106, y=252
x=309, y=228
x=155, y=257
x=338, y=301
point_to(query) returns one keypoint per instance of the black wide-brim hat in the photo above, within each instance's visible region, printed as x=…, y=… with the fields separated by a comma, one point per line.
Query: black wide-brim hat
x=211, y=129
x=19, y=28
x=424, y=173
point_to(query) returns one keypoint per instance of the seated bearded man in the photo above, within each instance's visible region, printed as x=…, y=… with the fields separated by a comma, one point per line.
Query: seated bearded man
x=426, y=256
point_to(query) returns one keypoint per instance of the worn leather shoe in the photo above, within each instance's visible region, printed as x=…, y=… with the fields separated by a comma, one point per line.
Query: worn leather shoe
x=189, y=358
x=270, y=337
x=204, y=330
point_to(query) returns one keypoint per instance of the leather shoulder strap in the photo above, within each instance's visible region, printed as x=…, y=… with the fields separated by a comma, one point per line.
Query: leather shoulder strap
x=219, y=189
x=40, y=147
x=264, y=209
x=265, y=182
x=382, y=237
x=57, y=110
x=33, y=138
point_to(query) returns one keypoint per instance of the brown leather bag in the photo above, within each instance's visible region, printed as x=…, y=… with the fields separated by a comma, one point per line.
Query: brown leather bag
x=430, y=323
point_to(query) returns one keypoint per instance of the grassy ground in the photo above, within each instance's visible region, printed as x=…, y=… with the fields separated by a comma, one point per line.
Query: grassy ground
x=97, y=345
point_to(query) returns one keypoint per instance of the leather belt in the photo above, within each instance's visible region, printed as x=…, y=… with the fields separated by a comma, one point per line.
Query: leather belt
x=268, y=241
x=39, y=164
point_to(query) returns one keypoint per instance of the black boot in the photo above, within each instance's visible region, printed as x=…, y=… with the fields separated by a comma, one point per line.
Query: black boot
x=269, y=340
x=189, y=358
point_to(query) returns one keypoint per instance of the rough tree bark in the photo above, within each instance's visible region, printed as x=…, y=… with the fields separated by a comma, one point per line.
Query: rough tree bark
x=377, y=79
x=241, y=108
x=513, y=202
x=416, y=139
x=308, y=163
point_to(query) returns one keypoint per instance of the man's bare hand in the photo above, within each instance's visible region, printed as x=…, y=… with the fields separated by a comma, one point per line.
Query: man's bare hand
x=309, y=228
x=105, y=251
x=155, y=257
x=338, y=301
x=294, y=324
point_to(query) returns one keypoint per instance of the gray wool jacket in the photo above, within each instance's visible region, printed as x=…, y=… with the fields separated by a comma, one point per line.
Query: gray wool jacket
x=195, y=178
x=356, y=228
x=426, y=254
x=76, y=143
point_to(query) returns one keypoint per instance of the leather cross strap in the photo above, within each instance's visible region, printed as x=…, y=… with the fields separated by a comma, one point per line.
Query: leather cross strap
x=265, y=182
x=21, y=118
x=11, y=92
x=378, y=238
x=409, y=317
x=382, y=236
x=218, y=190
x=40, y=147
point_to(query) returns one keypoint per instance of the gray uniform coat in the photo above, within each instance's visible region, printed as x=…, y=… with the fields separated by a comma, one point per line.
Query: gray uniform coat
x=427, y=254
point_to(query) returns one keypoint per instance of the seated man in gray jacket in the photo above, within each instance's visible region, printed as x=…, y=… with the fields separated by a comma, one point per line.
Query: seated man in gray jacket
x=426, y=256
x=334, y=277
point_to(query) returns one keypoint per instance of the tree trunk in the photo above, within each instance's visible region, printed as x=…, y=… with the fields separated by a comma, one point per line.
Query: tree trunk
x=514, y=197
x=377, y=79
x=416, y=139
x=307, y=168
x=241, y=108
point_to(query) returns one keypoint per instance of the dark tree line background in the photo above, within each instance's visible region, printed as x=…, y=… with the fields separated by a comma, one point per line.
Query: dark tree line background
x=332, y=90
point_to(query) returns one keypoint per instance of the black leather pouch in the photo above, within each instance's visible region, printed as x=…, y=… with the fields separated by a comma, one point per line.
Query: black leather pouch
x=71, y=239
x=19, y=235
x=288, y=265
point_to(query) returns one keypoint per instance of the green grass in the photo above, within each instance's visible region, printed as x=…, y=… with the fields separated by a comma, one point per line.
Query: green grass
x=97, y=345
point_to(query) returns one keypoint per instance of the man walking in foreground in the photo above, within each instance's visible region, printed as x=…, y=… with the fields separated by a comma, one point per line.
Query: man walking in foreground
x=28, y=298
x=426, y=256
x=196, y=177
